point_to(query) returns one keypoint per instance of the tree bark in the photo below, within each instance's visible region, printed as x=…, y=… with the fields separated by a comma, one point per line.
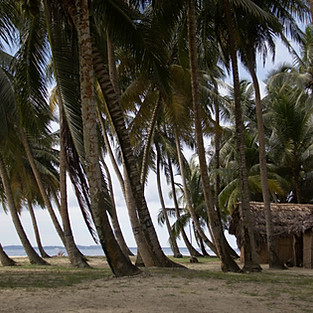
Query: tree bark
x=228, y=264
x=173, y=242
x=141, y=242
x=41, y=186
x=119, y=263
x=273, y=259
x=251, y=263
x=188, y=200
x=217, y=166
x=33, y=257
x=5, y=259
x=75, y=257
x=191, y=249
x=116, y=114
x=136, y=187
x=115, y=223
x=36, y=230
x=144, y=165
x=111, y=64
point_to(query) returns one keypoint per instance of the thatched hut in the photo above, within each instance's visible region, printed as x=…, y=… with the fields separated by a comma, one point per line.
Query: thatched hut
x=293, y=231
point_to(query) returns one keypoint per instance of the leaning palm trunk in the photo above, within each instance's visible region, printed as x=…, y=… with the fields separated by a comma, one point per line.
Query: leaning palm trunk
x=173, y=242
x=191, y=249
x=115, y=223
x=129, y=161
x=144, y=254
x=36, y=230
x=75, y=257
x=188, y=200
x=228, y=264
x=250, y=256
x=5, y=259
x=141, y=242
x=273, y=259
x=119, y=263
x=144, y=165
x=111, y=64
x=33, y=257
x=130, y=203
x=217, y=166
x=40, y=184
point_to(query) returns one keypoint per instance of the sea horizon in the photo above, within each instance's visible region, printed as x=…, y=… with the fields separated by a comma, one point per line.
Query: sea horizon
x=92, y=250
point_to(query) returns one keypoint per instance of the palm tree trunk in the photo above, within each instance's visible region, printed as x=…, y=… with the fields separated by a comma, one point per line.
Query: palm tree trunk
x=173, y=242
x=36, y=230
x=130, y=164
x=144, y=165
x=250, y=256
x=119, y=263
x=273, y=259
x=217, y=166
x=228, y=264
x=191, y=249
x=202, y=247
x=187, y=197
x=5, y=259
x=74, y=254
x=116, y=114
x=41, y=186
x=33, y=257
x=111, y=64
x=144, y=252
x=115, y=223
x=142, y=245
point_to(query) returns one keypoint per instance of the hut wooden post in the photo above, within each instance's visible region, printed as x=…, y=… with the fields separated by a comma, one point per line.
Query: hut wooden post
x=297, y=250
x=308, y=249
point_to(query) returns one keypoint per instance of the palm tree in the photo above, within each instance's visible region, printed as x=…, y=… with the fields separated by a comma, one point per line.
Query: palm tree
x=36, y=230
x=8, y=118
x=76, y=258
x=290, y=112
x=113, y=214
x=228, y=263
x=256, y=35
x=142, y=246
x=34, y=258
x=192, y=251
x=173, y=242
x=119, y=263
x=5, y=259
x=116, y=115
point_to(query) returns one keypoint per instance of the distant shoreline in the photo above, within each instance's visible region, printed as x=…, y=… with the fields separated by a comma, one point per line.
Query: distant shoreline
x=93, y=250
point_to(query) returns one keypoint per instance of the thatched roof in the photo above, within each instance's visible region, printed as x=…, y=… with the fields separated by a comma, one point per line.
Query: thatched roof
x=288, y=219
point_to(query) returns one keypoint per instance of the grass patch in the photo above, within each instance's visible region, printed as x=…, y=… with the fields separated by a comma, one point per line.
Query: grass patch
x=31, y=277
x=201, y=260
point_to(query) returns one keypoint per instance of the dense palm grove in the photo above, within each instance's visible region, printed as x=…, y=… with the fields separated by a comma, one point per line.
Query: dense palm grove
x=134, y=83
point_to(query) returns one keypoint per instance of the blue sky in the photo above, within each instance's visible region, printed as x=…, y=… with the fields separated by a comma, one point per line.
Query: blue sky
x=8, y=234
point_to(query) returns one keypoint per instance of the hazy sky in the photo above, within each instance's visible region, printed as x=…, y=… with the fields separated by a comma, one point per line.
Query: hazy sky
x=8, y=234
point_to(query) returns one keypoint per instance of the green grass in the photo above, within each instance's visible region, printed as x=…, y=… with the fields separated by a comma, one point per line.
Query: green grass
x=201, y=260
x=55, y=276
x=31, y=277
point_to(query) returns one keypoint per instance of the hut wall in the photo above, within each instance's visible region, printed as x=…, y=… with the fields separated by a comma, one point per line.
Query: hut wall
x=308, y=249
x=284, y=248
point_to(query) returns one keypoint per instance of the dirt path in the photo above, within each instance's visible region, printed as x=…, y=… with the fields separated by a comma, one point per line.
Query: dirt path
x=170, y=291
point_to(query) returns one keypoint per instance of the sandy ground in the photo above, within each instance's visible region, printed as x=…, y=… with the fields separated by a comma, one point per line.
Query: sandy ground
x=164, y=291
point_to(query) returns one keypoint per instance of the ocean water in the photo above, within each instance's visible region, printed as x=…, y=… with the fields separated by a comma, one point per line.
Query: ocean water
x=86, y=250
